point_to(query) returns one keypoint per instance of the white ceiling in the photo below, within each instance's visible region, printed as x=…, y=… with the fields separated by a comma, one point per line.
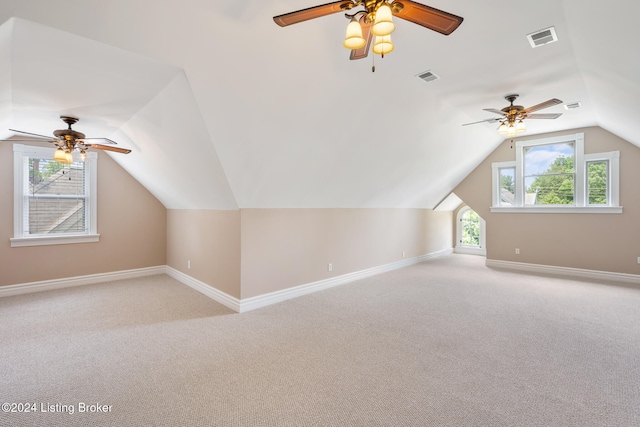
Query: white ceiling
x=224, y=109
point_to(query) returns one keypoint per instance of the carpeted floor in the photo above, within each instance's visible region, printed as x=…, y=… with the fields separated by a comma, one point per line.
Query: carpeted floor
x=448, y=342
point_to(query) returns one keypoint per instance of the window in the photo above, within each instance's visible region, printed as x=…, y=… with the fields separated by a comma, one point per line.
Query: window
x=470, y=232
x=470, y=228
x=549, y=174
x=554, y=175
x=54, y=203
x=507, y=195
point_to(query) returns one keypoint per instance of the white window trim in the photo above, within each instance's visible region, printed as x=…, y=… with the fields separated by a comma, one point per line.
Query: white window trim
x=19, y=240
x=580, y=206
x=495, y=179
x=613, y=159
x=469, y=249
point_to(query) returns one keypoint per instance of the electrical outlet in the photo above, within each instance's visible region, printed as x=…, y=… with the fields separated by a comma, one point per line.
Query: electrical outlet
x=189, y=264
x=639, y=260
x=329, y=267
x=517, y=251
x=402, y=254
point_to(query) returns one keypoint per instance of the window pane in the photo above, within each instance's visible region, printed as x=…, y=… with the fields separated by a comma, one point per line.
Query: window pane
x=597, y=178
x=544, y=159
x=507, y=186
x=56, y=200
x=470, y=229
x=549, y=174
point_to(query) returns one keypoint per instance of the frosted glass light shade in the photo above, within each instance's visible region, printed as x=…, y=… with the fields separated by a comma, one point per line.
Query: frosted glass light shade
x=383, y=45
x=520, y=127
x=60, y=156
x=502, y=129
x=68, y=157
x=383, y=24
x=354, y=39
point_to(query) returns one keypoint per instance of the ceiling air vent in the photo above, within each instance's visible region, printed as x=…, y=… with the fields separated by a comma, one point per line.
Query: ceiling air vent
x=572, y=106
x=428, y=76
x=542, y=37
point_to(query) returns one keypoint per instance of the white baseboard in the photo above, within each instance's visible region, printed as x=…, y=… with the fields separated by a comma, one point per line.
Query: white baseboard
x=223, y=298
x=248, y=304
x=235, y=304
x=264, y=300
x=67, y=282
x=470, y=251
x=565, y=271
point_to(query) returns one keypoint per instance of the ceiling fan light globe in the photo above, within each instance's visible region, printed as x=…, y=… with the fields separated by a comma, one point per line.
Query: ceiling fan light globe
x=383, y=45
x=60, y=156
x=68, y=157
x=383, y=24
x=521, y=127
x=354, y=39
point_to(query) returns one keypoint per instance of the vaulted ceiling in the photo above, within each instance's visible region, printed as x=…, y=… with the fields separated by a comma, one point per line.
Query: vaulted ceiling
x=224, y=109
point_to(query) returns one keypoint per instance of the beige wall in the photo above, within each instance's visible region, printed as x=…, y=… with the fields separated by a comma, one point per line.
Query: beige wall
x=131, y=224
x=210, y=239
x=282, y=248
x=243, y=253
x=604, y=242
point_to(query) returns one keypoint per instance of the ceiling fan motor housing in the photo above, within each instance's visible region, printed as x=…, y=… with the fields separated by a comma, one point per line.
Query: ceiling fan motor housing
x=69, y=134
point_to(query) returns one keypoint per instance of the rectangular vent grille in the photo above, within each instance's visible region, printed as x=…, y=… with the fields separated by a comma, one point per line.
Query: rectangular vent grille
x=572, y=106
x=542, y=37
x=428, y=76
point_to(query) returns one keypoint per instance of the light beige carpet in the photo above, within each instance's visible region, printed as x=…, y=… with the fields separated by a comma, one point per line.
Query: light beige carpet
x=448, y=342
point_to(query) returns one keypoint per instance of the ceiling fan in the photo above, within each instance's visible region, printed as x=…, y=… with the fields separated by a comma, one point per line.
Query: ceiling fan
x=68, y=140
x=375, y=19
x=513, y=116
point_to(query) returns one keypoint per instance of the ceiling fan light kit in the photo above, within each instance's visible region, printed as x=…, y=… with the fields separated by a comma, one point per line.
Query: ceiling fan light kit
x=63, y=156
x=383, y=45
x=383, y=24
x=354, y=39
x=375, y=20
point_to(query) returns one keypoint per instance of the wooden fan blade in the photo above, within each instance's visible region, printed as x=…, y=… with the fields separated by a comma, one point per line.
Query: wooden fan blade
x=544, y=116
x=483, y=121
x=546, y=104
x=493, y=110
x=32, y=134
x=312, y=12
x=109, y=148
x=103, y=140
x=368, y=36
x=429, y=17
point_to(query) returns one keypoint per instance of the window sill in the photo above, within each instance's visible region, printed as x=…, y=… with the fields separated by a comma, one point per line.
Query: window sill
x=18, y=242
x=559, y=209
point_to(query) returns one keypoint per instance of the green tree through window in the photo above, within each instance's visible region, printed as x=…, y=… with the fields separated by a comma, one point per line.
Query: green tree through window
x=41, y=169
x=555, y=186
x=507, y=183
x=554, y=175
x=470, y=223
x=597, y=179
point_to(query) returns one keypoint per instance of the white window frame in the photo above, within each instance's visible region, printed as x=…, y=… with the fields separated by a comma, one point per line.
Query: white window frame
x=580, y=188
x=20, y=178
x=495, y=179
x=470, y=249
x=613, y=176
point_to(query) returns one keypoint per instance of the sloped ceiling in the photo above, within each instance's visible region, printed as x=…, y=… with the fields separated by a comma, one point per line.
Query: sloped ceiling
x=223, y=109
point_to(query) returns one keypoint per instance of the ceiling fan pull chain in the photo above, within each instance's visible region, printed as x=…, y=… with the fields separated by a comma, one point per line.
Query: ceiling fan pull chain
x=373, y=63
